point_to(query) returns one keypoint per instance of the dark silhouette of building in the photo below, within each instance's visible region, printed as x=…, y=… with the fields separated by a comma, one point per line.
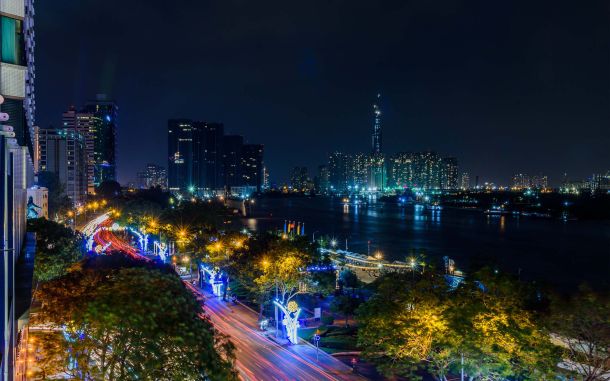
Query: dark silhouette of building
x=252, y=165
x=231, y=160
x=104, y=114
x=203, y=161
x=180, y=150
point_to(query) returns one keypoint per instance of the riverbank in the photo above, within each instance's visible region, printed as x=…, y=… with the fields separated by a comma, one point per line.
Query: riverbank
x=561, y=254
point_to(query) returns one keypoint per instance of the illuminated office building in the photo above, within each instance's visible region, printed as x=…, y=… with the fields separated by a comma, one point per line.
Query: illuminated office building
x=153, y=176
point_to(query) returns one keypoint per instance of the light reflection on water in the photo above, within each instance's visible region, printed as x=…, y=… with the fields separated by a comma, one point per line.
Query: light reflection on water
x=542, y=248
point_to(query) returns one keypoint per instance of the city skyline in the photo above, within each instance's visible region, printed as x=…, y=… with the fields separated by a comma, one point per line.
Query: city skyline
x=517, y=103
x=437, y=208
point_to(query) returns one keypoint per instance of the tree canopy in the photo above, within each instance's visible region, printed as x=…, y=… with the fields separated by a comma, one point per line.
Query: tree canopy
x=114, y=327
x=410, y=325
x=57, y=248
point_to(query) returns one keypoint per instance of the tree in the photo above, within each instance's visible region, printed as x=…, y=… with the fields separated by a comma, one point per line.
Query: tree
x=349, y=279
x=428, y=326
x=404, y=328
x=132, y=323
x=582, y=327
x=345, y=304
x=500, y=337
x=57, y=248
x=109, y=189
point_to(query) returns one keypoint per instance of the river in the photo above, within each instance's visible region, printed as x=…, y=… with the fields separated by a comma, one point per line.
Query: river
x=561, y=254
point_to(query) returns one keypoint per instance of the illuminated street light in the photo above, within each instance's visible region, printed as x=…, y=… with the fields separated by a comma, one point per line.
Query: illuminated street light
x=333, y=243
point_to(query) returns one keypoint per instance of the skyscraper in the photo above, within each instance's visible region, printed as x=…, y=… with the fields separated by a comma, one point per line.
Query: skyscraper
x=252, y=165
x=180, y=151
x=207, y=139
x=465, y=182
x=338, y=171
x=376, y=138
x=323, y=180
x=449, y=173
x=299, y=178
x=231, y=160
x=203, y=160
x=153, y=176
x=83, y=124
x=105, y=115
x=63, y=152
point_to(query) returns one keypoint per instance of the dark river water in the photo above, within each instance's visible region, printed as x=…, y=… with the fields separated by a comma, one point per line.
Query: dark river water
x=561, y=254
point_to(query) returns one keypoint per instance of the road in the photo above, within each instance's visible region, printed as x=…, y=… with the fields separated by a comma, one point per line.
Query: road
x=257, y=357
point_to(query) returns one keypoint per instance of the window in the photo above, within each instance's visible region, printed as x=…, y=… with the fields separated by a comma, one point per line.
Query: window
x=11, y=32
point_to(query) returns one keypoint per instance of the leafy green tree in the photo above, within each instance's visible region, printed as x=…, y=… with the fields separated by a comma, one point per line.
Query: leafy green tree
x=427, y=326
x=501, y=337
x=132, y=323
x=402, y=328
x=57, y=248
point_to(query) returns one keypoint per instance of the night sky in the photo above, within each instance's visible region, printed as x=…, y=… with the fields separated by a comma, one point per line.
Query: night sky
x=505, y=86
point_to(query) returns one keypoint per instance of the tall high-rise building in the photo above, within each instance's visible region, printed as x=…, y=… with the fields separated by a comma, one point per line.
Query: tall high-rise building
x=231, y=160
x=323, y=180
x=376, y=172
x=520, y=181
x=153, y=176
x=252, y=165
x=207, y=157
x=358, y=171
x=401, y=171
x=423, y=170
x=465, y=181
x=17, y=107
x=427, y=170
x=539, y=181
x=104, y=114
x=266, y=184
x=180, y=150
x=338, y=171
x=83, y=124
x=449, y=173
x=203, y=160
x=299, y=178
x=63, y=152
x=376, y=137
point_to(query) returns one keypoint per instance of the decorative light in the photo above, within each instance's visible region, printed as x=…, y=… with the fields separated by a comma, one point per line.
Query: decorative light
x=291, y=319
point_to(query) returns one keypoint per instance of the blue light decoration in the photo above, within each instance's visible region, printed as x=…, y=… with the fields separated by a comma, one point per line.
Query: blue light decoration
x=108, y=118
x=291, y=319
x=89, y=244
x=160, y=249
x=321, y=268
x=142, y=239
x=215, y=279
